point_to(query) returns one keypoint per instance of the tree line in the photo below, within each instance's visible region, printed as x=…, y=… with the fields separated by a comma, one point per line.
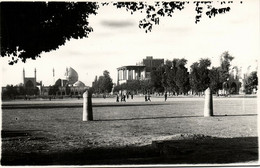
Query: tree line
x=12, y=91
x=174, y=77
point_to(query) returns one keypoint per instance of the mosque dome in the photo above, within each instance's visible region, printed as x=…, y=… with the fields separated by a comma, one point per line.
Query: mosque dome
x=72, y=76
x=79, y=84
x=61, y=82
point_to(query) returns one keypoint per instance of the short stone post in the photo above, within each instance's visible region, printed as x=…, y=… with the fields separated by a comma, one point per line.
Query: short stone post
x=87, y=107
x=208, y=106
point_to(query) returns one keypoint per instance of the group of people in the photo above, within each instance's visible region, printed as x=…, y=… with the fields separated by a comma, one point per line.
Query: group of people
x=147, y=97
x=26, y=97
x=124, y=96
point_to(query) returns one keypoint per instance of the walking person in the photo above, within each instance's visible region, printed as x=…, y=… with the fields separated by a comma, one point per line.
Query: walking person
x=165, y=96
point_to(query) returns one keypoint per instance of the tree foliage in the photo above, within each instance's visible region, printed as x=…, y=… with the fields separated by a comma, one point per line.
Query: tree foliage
x=225, y=63
x=154, y=11
x=251, y=82
x=136, y=86
x=30, y=28
x=11, y=91
x=182, y=76
x=215, y=83
x=133, y=86
x=199, y=75
x=146, y=86
x=103, y=84
x=172, y=76
x=156, y=80
x=95, y=85
x=54, y=89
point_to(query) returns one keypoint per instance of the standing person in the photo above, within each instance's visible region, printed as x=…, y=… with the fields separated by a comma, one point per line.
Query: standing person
x=124, y=98
x=165, y=96
x=145, y=97
x=117, y=97
x=132, y=96
x=149, y=96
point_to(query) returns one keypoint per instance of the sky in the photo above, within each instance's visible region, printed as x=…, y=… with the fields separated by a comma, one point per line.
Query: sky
x=118, y=41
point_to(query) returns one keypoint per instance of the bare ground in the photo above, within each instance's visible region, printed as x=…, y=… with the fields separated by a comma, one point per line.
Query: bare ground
x=157, y=132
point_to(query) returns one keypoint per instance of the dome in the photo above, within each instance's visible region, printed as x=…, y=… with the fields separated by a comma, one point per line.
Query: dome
x=61, y=82
x=79, y=84
x=72, y=76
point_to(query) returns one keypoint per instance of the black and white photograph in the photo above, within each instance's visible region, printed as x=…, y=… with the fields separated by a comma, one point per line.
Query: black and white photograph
x=129, y=83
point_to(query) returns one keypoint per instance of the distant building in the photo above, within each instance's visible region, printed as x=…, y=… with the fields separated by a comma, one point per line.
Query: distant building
x=138, y=72
x=130, y=72
x=151, y=64
x=68, y=86
x=30, y=84
x=235, y=80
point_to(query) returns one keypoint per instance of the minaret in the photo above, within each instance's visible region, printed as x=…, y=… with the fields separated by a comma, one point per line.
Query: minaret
x=23, y=77
x=35, y=76
x=53, y=75
x=67, y=73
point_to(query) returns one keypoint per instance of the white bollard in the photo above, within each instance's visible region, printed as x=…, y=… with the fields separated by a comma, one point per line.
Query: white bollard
x=87, y=107
x=85, y=95
x=208, y=106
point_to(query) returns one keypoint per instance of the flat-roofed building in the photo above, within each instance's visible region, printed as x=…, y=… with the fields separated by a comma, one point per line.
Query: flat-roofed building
x=138, y=72
x=151, y=64
x=130, y=72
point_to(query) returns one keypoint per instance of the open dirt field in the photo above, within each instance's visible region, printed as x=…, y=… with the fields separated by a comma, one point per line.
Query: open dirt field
x=41, y=132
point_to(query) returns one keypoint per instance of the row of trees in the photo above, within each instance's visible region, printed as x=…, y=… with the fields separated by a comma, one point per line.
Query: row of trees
x=251, y=82
x=217, y=78
x=134, y=86
x=11, y=91
x=174, y=77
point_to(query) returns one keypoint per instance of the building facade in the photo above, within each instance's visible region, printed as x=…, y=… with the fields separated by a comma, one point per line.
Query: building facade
x=66, y=87
x=131, y=72
x=151, y=64
x=31, y=86
x=138, y=72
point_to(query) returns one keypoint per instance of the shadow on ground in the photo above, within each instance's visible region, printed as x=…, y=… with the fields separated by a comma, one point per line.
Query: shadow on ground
x=162, y=117
x=186, y=150
x=76, y=105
